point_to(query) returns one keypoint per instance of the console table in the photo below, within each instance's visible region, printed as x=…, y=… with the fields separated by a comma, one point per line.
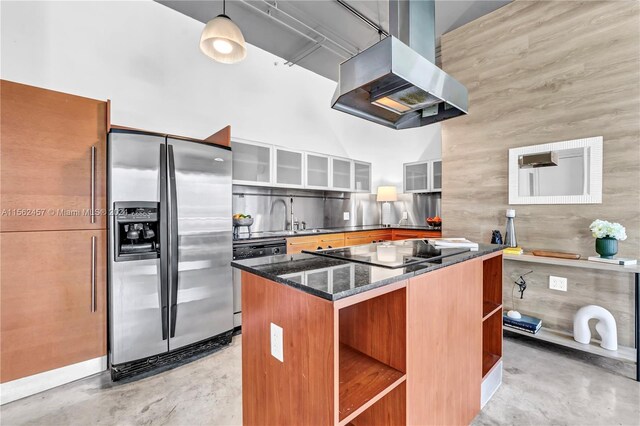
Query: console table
x=566, y=339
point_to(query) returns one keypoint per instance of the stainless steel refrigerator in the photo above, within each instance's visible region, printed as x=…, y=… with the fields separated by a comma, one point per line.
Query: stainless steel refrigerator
x=170, y=248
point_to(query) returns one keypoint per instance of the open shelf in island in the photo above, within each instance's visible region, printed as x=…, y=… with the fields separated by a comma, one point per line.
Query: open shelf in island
x=371, y=354
x=363, y=381
x=491, y=313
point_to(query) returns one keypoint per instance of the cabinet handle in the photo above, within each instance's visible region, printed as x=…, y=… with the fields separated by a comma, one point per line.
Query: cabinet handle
x=93, y=274
x=93, y=184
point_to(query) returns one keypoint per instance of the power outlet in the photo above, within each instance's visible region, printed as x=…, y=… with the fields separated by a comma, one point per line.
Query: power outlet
x=277, y=350
x=345, y=215
x=557, y=283
x=405, y=215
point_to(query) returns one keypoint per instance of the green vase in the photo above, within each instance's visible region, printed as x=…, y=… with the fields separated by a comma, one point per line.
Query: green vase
x=606, y=247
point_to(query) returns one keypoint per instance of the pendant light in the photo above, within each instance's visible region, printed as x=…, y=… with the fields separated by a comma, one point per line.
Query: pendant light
x=222, y=40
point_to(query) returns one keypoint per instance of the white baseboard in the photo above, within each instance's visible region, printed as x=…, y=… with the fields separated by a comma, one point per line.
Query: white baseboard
x=30, y=385
x=490, y=384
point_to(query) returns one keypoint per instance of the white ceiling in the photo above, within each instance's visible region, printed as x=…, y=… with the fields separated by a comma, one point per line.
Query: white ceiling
x=320, y=34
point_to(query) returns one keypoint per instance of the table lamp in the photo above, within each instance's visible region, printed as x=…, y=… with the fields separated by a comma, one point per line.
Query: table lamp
x=385, y=195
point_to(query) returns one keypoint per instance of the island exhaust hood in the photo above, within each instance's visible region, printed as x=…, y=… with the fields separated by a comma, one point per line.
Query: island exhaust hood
x=395, y=82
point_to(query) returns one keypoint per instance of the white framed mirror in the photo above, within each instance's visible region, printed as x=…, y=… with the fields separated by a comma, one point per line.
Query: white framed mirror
x=567, y=172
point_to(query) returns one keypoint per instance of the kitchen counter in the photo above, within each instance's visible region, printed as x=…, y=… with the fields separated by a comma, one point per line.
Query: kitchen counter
x=256, y=236
x=378, y=335
x=334, y=279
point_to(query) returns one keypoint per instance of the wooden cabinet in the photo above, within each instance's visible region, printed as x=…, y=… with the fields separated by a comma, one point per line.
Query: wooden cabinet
x=444, y=329
x=53, y=250
x=48, y=283
x=324, y=241
x=314, y=242
x=331, y=241
x=298, y=244
x=367, y=237
x=53, y=148
x=410, y=352
x=405, y=234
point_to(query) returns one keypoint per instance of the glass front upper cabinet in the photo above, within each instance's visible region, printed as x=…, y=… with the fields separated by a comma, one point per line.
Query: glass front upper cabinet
x=317, y=171
x=362, y=176
x=288, y=167
x=436, y=175
x=251, y=163
x=341, y=172
x=416, y=177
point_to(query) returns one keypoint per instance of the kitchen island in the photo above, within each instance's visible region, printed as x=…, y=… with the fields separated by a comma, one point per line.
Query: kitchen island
x=387, y=333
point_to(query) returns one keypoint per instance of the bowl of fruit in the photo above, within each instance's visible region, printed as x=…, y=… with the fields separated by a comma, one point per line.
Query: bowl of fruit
x=240, y=219
x=435, y=221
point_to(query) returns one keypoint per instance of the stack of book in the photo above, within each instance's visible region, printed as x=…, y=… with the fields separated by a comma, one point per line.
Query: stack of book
x=513, y=250
x=526, y=323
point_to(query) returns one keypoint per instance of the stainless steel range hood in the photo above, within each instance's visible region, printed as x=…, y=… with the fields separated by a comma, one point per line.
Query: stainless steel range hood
x=396, y=82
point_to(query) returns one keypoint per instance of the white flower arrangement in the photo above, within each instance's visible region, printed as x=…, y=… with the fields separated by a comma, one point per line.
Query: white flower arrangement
x=603, y=229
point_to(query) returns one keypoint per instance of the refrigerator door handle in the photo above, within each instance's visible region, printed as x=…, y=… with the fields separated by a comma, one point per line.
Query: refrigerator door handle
x=164, y=254
x=173, y=243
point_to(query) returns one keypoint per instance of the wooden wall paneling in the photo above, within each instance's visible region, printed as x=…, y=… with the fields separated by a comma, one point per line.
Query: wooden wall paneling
x=46, y=159
x=377, y=327
x=541, y=72
x=443, y=380
x=299, y=390
x=221, y=137
x=46, y=318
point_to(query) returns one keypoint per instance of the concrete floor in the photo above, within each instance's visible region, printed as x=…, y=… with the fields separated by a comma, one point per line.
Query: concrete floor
x=543, y=384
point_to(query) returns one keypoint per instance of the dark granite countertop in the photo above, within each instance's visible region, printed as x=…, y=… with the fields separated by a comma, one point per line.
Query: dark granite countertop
x=256, y=236
x=334, y=279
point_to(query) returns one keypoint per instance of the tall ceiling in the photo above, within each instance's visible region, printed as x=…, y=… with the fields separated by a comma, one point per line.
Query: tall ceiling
x=320, y=34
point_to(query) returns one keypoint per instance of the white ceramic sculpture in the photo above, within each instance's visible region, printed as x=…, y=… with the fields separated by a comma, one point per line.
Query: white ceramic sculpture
x=606, y=326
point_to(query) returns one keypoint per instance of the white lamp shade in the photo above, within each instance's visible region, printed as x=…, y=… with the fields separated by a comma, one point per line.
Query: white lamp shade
x=387, y=193
x=223, y=41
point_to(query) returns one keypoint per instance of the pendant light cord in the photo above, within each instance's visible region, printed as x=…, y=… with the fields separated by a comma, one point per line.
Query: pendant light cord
x=224, y=7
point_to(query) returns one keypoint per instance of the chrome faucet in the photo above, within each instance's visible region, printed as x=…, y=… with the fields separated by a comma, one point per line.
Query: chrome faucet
x=291, y=214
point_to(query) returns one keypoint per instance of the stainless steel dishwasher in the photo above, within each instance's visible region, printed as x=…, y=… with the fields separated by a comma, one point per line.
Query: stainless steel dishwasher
x=248, y=250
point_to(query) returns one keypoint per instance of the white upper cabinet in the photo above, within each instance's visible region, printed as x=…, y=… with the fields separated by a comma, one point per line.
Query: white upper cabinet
x=362, y=176
x=251, y=163
x=288, y=167
x=260, y=164
x=342, y=174
x=317, y=171
x=436, y=175
x=423, y=176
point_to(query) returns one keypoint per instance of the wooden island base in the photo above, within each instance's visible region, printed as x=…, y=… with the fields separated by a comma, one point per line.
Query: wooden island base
x=411, y=352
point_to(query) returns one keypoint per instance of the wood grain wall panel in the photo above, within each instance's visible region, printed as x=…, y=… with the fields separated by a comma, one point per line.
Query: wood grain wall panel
x=46, y=159
x=46, y=318
x=539, y=72
x=453, y=295
x=299, y=390
x=377, y=327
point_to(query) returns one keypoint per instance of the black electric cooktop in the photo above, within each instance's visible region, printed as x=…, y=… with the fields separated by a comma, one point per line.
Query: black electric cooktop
x=390, y=254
